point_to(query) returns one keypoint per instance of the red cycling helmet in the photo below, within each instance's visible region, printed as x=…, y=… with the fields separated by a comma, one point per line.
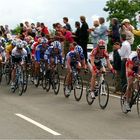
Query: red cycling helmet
x=101, y=44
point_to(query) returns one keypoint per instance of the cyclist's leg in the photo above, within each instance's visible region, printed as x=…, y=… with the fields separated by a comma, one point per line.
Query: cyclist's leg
x=128, y=92
x=36, y=72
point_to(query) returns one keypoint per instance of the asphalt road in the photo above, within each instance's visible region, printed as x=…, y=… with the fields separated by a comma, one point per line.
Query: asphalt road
x=41, y=115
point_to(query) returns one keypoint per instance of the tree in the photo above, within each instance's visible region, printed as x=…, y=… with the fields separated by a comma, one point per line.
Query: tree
x=17, y=30
x=122, y=9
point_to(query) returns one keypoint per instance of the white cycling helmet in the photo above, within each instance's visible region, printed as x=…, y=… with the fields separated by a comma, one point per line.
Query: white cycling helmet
x=19, y=44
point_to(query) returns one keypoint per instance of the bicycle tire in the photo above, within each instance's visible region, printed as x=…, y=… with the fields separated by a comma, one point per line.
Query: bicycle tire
x=56, y=83
x=89, y=99
x=44, y=81
x=7, y=73
x=122, y=99
x=138, y=103
x=0, y=74
x=25, y=81
x=102, y=94
x=80, y=85
x=64, y=88
x=21, y=82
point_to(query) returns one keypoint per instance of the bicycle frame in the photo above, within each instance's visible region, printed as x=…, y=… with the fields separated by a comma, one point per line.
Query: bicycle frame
x=134, y=96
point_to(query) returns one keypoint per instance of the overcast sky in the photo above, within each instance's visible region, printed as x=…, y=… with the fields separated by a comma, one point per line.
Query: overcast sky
x=13, y=12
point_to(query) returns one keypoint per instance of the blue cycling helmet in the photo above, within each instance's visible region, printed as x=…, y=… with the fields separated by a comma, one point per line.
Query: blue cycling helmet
x=56, y=44
x=44, y=40
x=79, y=49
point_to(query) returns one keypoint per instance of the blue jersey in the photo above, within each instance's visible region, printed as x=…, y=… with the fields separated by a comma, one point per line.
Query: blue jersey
x=74, y=56
x=39, y=52
x=51, y=53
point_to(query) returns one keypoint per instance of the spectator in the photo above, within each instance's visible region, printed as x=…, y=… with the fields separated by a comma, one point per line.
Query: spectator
x=7, y=31
x=115, y=35
x=125, y=29
x=103, y=31
x=94, y=35
x=84, y=36
x=66, y=20
x=67, y=39
x=124, y=53
x=44, y=29
x=2, y=30
x=117, y=67
x=77, y=32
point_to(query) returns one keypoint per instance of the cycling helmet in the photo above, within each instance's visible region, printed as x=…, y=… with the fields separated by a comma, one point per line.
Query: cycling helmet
x=13, y=42
x=79, y=49
x=24, y=43
x=56, y=44
x=19, y=44
x=101, y=44
x=44, y=40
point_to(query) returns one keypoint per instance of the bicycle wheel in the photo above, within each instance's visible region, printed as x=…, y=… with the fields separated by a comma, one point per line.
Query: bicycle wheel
x=0, y=73
x=21, y=82
x=25, y=80
x=138, y=103
x=122, y=100
x=78, y=89
x=44, y=80
x=103, y=94
x=64, y=88
x=56, y=82
x=7, y=73
x=88, y=95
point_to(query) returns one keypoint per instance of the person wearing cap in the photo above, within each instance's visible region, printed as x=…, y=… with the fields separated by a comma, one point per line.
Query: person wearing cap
x=125, y=29
x=124, y=52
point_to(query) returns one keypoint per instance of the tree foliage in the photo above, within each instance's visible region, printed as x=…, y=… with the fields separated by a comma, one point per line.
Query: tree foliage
x=122, y=9
x=16, y=30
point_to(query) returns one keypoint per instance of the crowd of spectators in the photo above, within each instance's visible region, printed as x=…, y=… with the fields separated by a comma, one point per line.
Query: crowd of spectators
x=121, y=35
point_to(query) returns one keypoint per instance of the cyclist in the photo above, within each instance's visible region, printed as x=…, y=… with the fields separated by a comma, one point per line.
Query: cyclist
x=26, y=47
x=96, y=63
x=74, y=58
x=39, y=56
x=132, y=70
x=9, y=49
x=2, y=54
x=54, y=53
x=19, y=55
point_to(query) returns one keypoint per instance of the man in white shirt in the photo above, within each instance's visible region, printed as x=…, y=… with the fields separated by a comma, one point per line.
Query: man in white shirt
x=124, y=52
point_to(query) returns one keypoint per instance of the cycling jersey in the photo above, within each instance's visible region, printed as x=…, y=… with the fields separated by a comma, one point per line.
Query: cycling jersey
x=40, y=51
x=99, y=55
x=51, y=53
x=17, y=55
x=9, y=48
x=132, y=65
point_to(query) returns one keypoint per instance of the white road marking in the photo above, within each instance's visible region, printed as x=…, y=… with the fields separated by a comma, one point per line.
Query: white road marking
x=38, y=124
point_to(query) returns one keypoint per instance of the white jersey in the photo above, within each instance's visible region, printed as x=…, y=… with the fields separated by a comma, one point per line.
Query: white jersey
x=18, y=54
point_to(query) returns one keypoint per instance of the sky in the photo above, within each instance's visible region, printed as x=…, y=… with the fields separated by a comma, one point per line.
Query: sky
x=12, y=12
